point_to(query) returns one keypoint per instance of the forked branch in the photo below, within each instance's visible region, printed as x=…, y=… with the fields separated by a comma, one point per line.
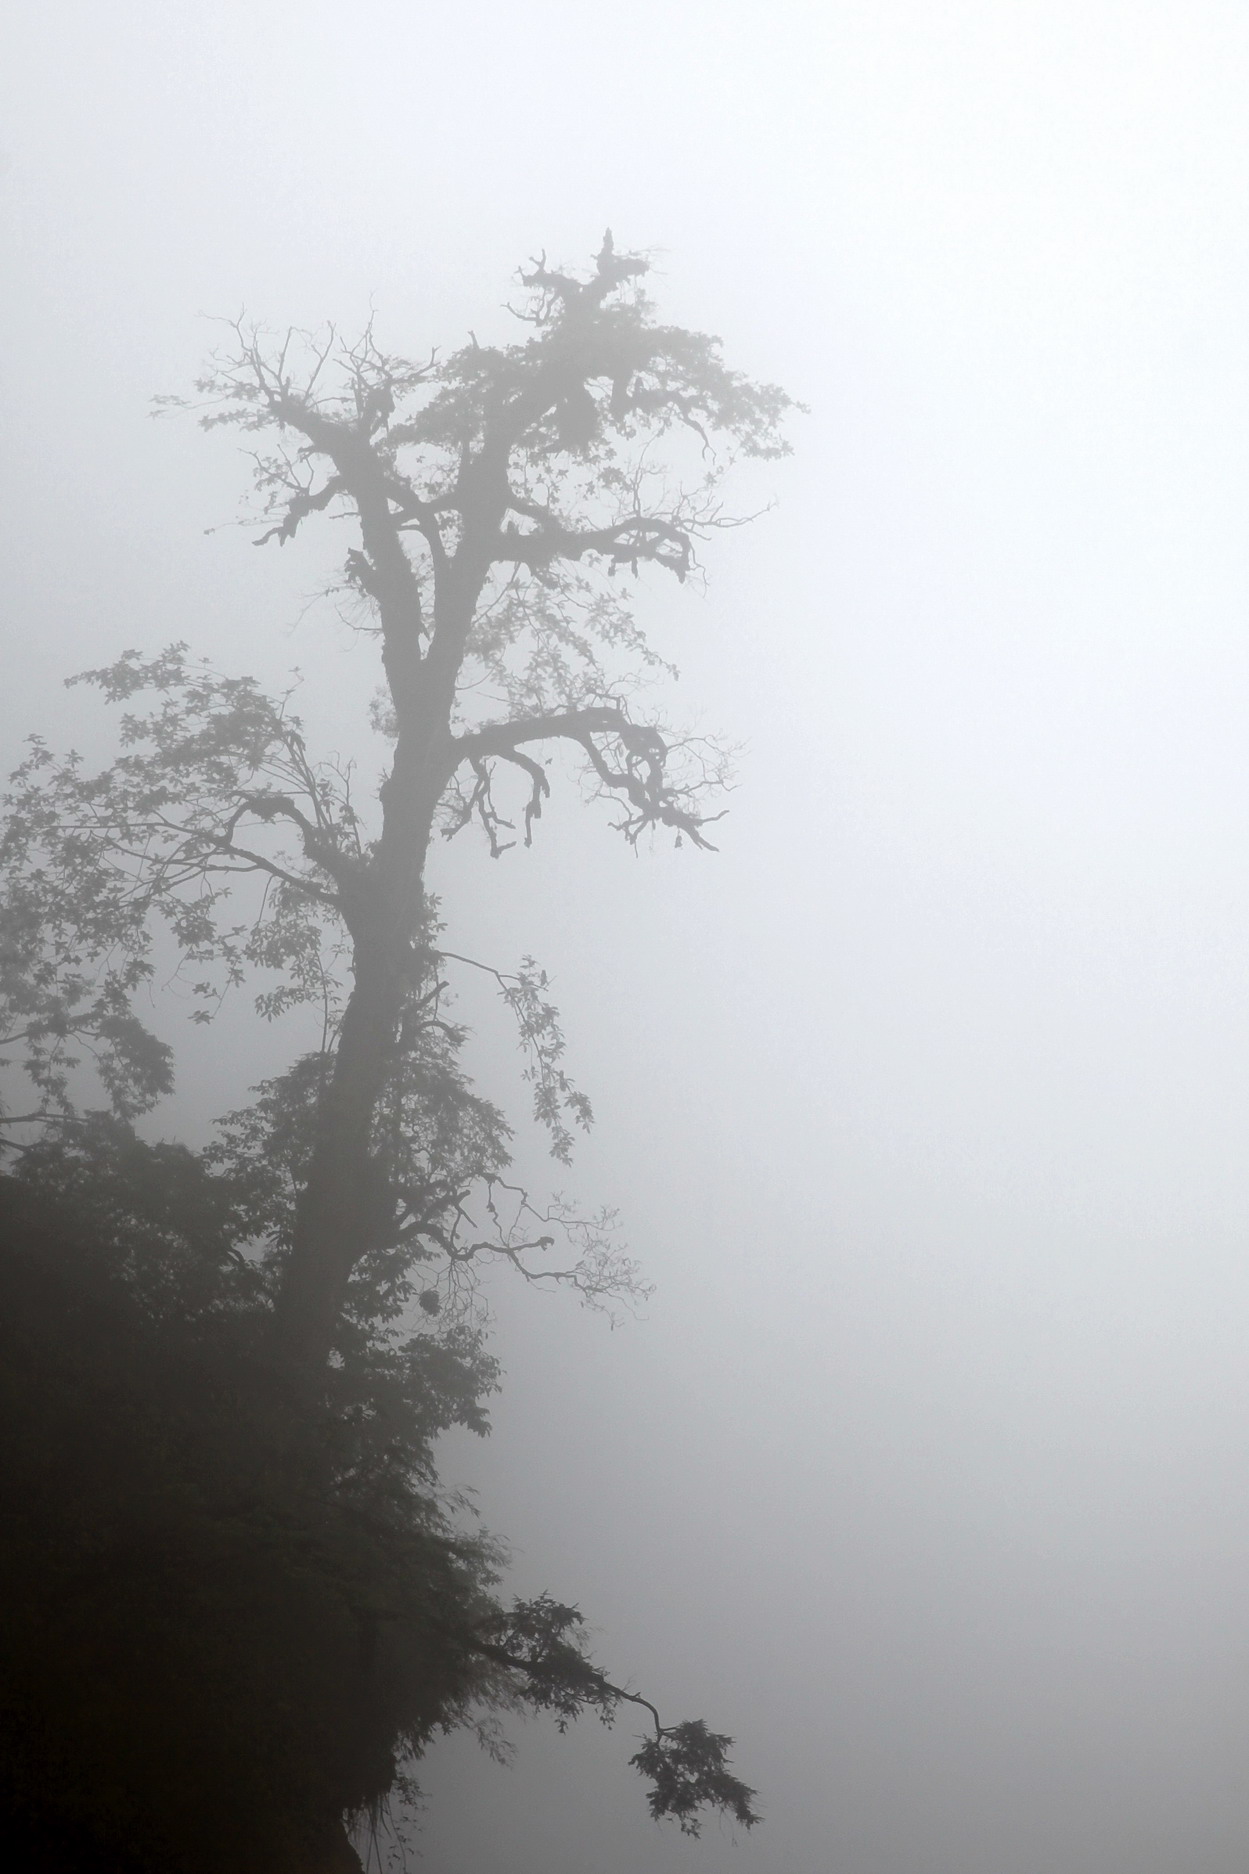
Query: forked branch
x=639, y=773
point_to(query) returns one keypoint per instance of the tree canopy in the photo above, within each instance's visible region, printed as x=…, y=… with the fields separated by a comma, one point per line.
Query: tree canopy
x=322, y=1249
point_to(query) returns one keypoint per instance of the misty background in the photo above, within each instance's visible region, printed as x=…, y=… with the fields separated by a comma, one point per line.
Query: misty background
x=926, y=1100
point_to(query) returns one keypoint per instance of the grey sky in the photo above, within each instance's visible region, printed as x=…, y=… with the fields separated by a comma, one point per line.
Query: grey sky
x=926, y=1101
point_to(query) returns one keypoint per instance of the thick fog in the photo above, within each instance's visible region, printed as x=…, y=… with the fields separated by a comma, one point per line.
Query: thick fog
x=925, y=1101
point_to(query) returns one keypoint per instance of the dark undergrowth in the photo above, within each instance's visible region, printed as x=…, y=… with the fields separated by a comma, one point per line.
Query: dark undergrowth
x=207, y=1654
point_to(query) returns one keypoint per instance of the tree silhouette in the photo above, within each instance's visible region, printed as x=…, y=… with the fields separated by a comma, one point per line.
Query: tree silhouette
x=502, y=503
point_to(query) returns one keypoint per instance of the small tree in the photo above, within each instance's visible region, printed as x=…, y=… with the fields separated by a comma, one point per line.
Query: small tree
x=496, y=498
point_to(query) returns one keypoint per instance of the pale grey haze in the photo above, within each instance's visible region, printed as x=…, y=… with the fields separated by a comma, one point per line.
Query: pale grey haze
x=926, y=1101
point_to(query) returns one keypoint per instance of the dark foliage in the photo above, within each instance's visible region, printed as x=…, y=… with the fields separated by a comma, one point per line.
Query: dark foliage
x=211, y=1653
x=204, y=1660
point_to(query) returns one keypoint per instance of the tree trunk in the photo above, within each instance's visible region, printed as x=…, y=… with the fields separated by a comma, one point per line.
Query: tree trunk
x=335, y=1207
x=336, y=1213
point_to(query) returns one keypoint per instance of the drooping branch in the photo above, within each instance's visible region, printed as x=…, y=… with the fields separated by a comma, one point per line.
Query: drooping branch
x=640, y=776
x=524, y=991
x=479, y=803
x=686, y=1764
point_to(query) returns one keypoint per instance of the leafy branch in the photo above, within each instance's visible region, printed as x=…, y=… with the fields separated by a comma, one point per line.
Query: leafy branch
x=686, y=1764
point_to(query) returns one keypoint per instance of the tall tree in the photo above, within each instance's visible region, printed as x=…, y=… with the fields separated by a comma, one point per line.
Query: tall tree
x=498, y=499
x=495, y=496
